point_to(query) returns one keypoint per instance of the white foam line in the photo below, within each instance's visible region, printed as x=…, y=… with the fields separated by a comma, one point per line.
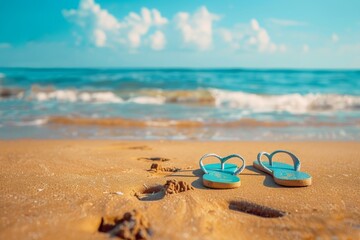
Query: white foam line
x=293, y=103
x=74, y=96
x=248, y=102
x=36, y=122
x=147, y=100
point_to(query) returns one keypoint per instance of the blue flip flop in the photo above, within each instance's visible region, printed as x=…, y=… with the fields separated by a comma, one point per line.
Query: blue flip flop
x=283, y=174
x=221, y=175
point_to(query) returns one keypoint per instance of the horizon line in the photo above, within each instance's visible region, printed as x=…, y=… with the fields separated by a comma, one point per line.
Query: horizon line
x=185, y=68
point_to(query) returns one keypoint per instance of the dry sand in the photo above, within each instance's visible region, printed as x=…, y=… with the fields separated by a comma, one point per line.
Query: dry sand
x=57, y=189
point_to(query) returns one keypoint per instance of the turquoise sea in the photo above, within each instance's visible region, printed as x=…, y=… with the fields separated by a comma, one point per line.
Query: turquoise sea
x=180, y=104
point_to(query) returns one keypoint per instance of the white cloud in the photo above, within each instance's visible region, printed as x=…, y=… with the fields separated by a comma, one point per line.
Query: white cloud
x=99, y=37
x=255, y=25
x=157, y=40
x=5, y=45
x=139, y=25
x=102, y=29
x=305, y=48
x=251, y=36
x=334, y=38
x=158, y=19
x=99, y=22
x=286, y=22
x=231, y=37
x=105, y=30
x=197, y=29
x=260, y=38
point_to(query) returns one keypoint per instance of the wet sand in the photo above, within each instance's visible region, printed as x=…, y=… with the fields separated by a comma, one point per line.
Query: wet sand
x=61, y=189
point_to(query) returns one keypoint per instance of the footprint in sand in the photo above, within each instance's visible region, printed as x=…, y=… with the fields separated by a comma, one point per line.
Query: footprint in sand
x=140, y=148
x=133, y=225
x=151, y=193
x=159, y=159
x=157, y=168
x=255, y=209
x=160, y=191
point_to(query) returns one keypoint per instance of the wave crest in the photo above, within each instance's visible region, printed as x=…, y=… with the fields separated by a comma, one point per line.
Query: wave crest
x=41, y=94
x=292, y=103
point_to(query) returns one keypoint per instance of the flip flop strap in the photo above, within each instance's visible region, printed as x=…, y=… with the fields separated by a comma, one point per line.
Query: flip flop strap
x=296, y=160
x=222, y=161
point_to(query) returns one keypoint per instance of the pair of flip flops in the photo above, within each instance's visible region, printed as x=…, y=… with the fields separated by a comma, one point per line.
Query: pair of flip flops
x=224, y=175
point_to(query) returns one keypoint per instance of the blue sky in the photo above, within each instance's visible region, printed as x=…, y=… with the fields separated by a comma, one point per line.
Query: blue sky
x=251, y=34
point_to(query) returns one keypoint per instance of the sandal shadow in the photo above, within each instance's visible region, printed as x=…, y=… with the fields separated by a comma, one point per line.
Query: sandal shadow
x=268, y=181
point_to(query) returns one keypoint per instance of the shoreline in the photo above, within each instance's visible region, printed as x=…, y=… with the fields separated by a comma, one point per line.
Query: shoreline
x=156, y=132
x=62, y=188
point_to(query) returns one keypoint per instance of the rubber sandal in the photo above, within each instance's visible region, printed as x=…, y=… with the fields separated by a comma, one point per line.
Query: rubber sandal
x=283, y=174
x=221, y=175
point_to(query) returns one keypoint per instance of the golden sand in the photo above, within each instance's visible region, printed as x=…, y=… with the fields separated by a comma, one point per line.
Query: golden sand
x=63, y=189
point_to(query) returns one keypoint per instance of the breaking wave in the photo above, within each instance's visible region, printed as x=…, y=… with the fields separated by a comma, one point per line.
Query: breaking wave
x=293, y=103
x=69, y=95
x=28, y=122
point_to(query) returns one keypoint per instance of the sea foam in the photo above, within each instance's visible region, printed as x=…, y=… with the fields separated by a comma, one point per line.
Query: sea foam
x=76, y=96
x=147, y=100
x=293, y=103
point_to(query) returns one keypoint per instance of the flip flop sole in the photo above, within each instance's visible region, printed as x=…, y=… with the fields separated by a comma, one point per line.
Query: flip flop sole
x=217, y=179
x=284, y=174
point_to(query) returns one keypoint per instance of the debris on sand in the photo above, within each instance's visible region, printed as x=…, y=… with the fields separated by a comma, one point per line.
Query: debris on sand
x=159, y=159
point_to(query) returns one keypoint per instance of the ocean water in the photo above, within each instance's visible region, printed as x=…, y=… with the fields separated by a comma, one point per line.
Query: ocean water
x=202, y=104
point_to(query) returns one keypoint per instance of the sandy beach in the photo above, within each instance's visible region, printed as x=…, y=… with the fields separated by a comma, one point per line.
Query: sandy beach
x=107, y=107
x=61, y=189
